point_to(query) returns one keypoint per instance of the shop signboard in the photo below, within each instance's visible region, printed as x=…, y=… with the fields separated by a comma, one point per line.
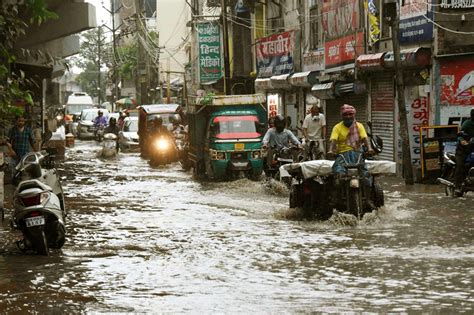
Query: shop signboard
x=314, y=60
x=344, y=50
x=210, y=58
x=275, y=54
x=274, y=105
x=340, y=17
x=414, y=24
x=417, y=116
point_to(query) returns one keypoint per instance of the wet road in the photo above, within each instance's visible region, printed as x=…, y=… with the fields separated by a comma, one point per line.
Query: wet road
x=156, y=240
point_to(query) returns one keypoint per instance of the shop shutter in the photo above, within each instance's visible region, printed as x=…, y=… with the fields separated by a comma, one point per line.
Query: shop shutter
x=382, y=96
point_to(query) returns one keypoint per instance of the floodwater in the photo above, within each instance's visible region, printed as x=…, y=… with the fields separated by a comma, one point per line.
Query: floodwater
x=156, y=240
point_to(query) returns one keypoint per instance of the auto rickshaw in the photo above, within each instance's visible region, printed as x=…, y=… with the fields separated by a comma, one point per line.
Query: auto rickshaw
x=147, y=114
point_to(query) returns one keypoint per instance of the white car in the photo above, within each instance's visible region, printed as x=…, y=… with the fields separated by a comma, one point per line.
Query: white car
x=128, y=136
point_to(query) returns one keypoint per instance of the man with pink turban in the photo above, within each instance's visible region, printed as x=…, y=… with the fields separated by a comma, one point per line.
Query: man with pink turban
x=349, y=134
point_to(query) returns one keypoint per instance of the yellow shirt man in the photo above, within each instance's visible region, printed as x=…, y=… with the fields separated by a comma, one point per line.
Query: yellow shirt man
x=340, y=133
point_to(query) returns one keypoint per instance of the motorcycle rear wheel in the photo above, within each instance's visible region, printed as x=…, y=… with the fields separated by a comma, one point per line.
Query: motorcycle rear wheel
x=38, y=240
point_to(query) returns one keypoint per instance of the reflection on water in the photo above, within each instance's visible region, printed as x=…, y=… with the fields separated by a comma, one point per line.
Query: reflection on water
x=142, y=240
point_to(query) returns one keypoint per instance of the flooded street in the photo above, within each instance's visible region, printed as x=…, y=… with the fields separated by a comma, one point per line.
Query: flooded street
x=156, y=240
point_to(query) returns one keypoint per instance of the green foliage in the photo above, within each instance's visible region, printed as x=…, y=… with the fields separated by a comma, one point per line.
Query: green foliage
x=12, y=26
x=128, y=61
x=93, y=49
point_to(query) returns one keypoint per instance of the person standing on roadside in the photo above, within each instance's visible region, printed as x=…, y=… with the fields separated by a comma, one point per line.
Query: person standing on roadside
x=314, y=129
x=21, y=138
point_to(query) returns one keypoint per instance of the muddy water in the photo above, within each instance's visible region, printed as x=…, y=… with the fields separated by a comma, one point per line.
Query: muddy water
x=156, y=240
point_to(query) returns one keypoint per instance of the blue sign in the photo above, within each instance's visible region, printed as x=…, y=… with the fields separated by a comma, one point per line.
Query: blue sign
x=415, y=25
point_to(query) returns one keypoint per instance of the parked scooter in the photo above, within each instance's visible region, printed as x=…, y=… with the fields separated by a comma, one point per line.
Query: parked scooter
x=39, y=207
x=109, y=146
x=448, y=172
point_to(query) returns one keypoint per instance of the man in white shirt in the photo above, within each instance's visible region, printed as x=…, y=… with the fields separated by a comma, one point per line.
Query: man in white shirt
x=314, y=129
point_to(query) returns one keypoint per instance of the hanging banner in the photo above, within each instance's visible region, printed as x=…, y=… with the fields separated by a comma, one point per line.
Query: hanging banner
x=209, y=45
x=344, y=50
x=414, y=25
x=457, y=81
x=275, y=54
x=372, y=15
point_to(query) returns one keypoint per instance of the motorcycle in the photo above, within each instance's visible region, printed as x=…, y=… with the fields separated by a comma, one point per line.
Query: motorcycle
x=182, y=147
x=280, y=157
x=354, y=190
x=314, y=151
x=99, y=133
x=162, y=151
x=109, y=146
x=449, y=169
x=38, y=202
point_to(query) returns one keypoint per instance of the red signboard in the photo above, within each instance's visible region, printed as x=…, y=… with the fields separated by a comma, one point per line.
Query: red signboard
x=343, y=50
x=275, y=54
x=340, y=17
x=457, y=81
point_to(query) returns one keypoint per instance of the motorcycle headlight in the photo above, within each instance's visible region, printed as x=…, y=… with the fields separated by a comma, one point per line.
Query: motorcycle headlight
x=162, y=144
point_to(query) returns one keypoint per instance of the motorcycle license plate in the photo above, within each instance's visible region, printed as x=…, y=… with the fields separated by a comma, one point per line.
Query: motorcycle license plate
x=239, y=146
x=34, y=221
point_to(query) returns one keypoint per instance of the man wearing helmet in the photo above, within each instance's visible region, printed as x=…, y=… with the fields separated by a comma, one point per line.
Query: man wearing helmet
x=112, y=127
x=100, y=120
x=279, y=136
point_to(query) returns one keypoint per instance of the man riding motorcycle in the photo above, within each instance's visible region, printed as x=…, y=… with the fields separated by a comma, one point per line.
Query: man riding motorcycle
x=462, y=150
x=347, y=137
x=278, y=137
x=100, y=120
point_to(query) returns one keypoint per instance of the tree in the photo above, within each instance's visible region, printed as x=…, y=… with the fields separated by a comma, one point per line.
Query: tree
x=12, y=27
x=94, y=55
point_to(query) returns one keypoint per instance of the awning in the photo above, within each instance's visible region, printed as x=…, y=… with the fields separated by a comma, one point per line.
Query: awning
x=304, y=79
x=414, y=57
x=410, y=58
x=371, y=62
x=263, y=84
x=357, y=87
x=280, y=81
x=323, y=91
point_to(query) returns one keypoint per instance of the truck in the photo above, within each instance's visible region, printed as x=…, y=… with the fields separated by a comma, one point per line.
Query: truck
x=76, y=102
x=225, y=136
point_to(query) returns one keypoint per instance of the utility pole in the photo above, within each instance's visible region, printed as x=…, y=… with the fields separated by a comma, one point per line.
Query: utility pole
x=112, y=11
x=168, y=80
x=98, y=66
x=392, y=15
x=142, y=75
x=226, y=44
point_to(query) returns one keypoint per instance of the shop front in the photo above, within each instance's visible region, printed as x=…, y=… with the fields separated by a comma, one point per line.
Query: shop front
x=378, y=72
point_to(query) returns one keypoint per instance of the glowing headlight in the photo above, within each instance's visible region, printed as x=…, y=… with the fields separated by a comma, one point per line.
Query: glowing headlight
x=162, y=144
x=59, y=117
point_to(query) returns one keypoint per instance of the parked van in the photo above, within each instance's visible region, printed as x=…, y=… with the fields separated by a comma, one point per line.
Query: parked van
x=76, y=102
